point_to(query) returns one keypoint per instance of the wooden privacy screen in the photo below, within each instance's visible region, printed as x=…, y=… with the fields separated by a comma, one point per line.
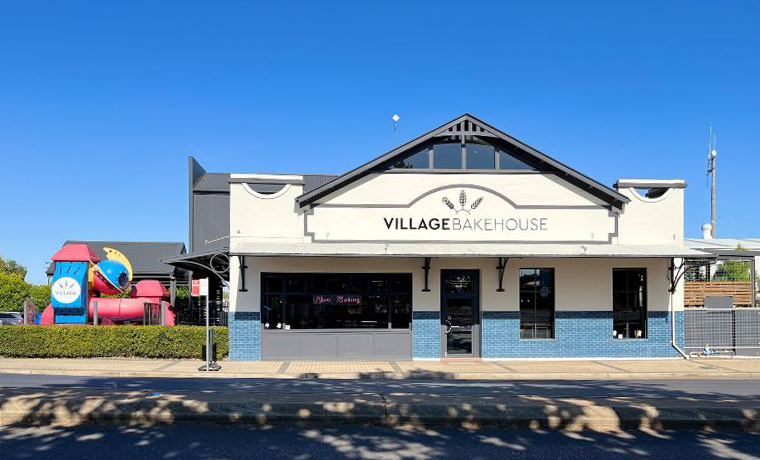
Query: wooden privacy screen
x=696, y=291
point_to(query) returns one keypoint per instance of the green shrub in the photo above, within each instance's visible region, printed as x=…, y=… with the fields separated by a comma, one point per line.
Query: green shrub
x=13, y=292
x=169, y=342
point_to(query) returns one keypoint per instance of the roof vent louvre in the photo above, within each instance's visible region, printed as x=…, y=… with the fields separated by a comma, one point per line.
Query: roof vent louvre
x=466, y=128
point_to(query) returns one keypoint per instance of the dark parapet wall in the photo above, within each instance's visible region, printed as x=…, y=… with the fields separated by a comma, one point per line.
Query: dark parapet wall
x=209, y=208
x=211, y=222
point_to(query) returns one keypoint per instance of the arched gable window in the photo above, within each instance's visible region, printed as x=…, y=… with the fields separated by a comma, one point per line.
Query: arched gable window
x=452, y=154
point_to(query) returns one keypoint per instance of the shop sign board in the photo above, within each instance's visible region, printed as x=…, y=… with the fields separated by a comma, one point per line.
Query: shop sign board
x=199, y=287
x=462, y=213
x=337, y=299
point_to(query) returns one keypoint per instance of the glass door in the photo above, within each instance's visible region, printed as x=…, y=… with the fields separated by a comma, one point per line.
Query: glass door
x=459, y=312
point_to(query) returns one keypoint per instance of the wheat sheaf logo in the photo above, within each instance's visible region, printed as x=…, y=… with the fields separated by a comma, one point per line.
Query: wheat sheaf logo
x=462, y=203
x=66, y=290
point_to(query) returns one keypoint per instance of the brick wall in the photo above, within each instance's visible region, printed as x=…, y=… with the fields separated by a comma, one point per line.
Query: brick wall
x=426, y=334
x=581, y=334
x=245, y=336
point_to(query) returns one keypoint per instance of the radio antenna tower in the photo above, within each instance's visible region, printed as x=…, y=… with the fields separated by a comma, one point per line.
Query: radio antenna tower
x=712, y=152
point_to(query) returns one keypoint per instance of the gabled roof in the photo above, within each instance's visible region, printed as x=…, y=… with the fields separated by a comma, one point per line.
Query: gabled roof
x=469, y=125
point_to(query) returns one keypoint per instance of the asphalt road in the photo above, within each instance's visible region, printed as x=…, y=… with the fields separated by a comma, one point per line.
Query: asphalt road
x=237, y=442
x=702, y=389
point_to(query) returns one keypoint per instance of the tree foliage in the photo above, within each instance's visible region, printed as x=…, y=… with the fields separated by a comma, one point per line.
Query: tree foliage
x=13, y=291
x=40, y=294
x=11, y=267
x=732, y=270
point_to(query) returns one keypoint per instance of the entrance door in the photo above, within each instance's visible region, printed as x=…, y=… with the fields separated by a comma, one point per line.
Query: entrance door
x=460, y=323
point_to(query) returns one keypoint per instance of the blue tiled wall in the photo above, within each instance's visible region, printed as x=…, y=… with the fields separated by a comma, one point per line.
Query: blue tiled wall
x=578, y=334
x=680, y=338
x=245, y=336
x=426, y=334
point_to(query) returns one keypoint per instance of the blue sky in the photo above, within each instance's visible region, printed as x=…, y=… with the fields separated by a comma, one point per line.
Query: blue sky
x=101, y=102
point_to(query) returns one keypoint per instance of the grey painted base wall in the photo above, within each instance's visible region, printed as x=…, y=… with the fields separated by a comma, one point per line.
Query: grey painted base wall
x=338, y=344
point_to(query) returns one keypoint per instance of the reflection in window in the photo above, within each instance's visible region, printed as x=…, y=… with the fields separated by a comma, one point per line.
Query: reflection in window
x=447, y=156
x=336, y=300
x=459, y=284
x=507, y=161
x=480, y=156
x=419, y=160
x=629, y=303
x=537, y=303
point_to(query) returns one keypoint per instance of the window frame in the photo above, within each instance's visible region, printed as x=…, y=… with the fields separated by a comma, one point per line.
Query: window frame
x=463, y=141
x=324, y=279
x=644, y=319
x=553, y=329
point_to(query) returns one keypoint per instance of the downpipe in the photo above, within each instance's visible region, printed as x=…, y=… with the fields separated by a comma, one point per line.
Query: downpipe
x=673, y=328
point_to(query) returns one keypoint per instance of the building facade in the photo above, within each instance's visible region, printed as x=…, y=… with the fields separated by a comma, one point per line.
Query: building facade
x=464, y=242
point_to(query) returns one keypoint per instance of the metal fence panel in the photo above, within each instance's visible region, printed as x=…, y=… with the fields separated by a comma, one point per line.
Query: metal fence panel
x=722, y=328
x=747, y=327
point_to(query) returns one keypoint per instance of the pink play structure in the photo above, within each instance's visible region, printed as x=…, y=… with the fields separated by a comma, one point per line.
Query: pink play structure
x=147, y=302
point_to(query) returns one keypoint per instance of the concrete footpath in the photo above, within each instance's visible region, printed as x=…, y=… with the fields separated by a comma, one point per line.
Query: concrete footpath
x=715, y=368
x=380, y=401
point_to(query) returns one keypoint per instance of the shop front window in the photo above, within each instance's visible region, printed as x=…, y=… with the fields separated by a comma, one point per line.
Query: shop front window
x=629, y=303
x=537, y=303
x=336, y=301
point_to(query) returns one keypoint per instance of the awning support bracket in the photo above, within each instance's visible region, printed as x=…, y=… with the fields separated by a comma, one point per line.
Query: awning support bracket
x=243, y=266
x=676, y=273
x=501, y=267
x=426, y=267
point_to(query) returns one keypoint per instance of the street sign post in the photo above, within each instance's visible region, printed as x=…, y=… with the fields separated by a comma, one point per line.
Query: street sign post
x=199, y=288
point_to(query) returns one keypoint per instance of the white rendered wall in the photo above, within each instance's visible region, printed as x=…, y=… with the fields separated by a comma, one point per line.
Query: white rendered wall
x=652, y=221
x=356, y=213
x=272, y=218
x=581, y=284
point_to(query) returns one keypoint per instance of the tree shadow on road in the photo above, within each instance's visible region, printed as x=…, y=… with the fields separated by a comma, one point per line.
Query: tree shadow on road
x=328, y=412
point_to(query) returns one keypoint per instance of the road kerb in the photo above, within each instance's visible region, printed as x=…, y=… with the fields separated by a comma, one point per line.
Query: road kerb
x=398, y=375
x=593, y=416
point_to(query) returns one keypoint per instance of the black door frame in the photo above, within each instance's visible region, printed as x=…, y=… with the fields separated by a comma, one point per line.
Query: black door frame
x=476, y=348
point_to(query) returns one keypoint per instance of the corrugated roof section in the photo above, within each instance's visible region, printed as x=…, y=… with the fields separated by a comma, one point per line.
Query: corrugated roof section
x=144, y=256
x=723, y=243
x=213, y=182
x=312, y=181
